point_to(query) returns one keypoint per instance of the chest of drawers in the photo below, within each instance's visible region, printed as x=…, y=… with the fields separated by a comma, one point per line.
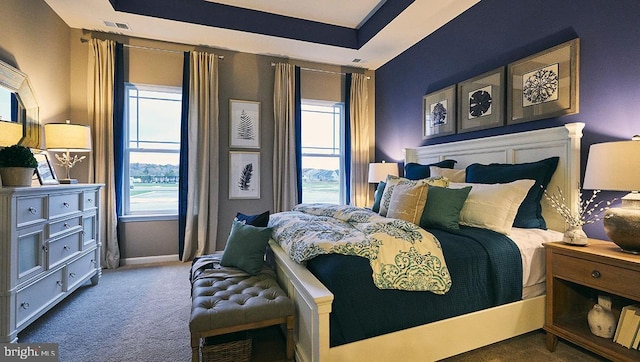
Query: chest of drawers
x=49, y=246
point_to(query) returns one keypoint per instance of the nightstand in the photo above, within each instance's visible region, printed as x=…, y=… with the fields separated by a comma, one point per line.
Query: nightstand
x=576, y=275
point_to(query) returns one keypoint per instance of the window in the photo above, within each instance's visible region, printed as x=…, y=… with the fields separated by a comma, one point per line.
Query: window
x=322, y=158
x=152, y=153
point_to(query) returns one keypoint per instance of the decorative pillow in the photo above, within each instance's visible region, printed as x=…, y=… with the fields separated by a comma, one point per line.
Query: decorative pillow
x=493, y=206
x=416, y=171
x=245, y=247
x=392, y=181
x=407, y=201
x=530, y=212
x=442, y=210
x=377, y=197
x=261, y=220
x=451, y=174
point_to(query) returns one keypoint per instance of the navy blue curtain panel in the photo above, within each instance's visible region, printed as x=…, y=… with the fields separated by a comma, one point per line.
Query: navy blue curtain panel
x=184, y=155
x=347, y=137
x=298, y=128
x=118, y=125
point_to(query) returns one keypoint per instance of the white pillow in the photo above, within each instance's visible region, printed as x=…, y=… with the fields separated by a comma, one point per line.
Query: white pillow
x=451, y=174
x=493, y=206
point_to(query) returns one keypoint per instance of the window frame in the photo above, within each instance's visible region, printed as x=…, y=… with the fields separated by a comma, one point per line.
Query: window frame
x=129, y=215
x=341, y=141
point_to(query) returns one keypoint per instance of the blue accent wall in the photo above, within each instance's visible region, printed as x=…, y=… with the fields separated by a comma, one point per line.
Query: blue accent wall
x=494, y=33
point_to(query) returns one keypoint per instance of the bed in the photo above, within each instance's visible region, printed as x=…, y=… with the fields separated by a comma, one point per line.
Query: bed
x=432, y=341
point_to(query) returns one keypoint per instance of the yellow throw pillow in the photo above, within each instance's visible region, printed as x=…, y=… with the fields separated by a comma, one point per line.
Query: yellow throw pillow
x=392, y=181
x=407, y=202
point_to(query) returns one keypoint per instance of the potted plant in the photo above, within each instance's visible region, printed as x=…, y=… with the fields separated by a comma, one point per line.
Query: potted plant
x=17, y=165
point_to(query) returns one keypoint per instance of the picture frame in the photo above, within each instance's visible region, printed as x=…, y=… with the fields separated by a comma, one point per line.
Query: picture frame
x=439, y=113
x=545, y=84
x=481, y=101
x=45, y=171
x=244, y=175
x=244, y=124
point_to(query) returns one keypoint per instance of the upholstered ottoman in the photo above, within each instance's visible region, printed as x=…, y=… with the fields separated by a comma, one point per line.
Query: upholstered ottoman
x=226, y=300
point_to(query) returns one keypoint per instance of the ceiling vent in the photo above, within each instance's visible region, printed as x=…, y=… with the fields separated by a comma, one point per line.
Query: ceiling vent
x=356, y=60
x=113, y=24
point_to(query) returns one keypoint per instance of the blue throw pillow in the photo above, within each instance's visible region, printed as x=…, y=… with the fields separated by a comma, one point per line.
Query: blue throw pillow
x=246, y=247
x=530, y=212
x=416, y=171
x=377, y=197
x=261, y=220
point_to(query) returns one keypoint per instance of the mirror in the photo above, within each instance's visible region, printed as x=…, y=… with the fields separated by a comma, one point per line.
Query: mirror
x=18, y=104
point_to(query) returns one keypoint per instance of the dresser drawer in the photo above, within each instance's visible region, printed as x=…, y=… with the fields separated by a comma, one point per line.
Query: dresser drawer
x=80, y=269
x=89, y=200
x=64, y=248
x=601, y=276
x=35, y=297
x=30, y=210
x=64, y=226
x=63, y=204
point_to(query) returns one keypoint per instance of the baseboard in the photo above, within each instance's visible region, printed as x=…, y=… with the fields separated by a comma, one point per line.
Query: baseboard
x=149, y=259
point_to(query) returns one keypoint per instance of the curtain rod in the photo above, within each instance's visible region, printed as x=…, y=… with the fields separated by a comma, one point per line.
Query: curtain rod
x=150, y=48
x=319, y=70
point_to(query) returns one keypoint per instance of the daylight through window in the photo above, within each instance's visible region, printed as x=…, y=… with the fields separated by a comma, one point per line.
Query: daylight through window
x=152, y=153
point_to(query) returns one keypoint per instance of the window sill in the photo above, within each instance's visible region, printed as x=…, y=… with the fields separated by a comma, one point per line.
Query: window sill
x=142, y=218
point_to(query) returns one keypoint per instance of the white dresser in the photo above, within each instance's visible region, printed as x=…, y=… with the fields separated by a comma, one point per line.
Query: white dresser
x=49, y=246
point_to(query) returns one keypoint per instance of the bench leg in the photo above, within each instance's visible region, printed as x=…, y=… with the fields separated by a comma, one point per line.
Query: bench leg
x=195, y=348
x=290, y=345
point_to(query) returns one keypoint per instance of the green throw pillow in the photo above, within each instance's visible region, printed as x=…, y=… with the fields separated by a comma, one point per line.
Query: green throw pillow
x=246, y=246
x=443, y=207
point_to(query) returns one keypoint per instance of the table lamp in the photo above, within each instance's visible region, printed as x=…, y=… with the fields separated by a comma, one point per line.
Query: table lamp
x=615, y=166
x=67, y=138
x=10, y=133
x=378, y=171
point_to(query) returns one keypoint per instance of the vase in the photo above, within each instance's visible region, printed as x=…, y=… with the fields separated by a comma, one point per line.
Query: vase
x=16, y=176
x=575, y=236
x=601, y=320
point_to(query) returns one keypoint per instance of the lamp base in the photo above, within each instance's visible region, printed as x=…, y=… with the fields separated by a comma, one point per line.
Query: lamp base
x=622, y=225
x=68, y=181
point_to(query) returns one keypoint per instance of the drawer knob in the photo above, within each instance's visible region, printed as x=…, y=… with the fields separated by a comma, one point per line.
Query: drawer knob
x=66, y=226
x=93, y=261
x=65, y=204
x=45, y=248
x=59, y=283
x=67, y=248
x=32, y=210
x=72, y=275
x=90, y=200
x=595, y=274
x=24, y=305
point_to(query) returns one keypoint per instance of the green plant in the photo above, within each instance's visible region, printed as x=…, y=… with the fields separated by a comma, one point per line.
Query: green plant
x=17, y=156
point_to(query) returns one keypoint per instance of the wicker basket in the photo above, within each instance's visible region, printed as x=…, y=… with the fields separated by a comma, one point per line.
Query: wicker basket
x=235, y=347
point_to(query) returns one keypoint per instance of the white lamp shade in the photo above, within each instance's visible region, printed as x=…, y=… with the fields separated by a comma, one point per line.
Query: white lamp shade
x=613, y=166
x=10, y=133
x=66, y=136
x=378, y=171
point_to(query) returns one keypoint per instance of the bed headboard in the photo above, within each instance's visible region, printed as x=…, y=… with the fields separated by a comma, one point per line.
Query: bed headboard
x=528, y=146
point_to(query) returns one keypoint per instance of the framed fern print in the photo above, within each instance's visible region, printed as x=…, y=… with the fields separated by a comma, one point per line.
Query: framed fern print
x=244, y=124
x=244, y=175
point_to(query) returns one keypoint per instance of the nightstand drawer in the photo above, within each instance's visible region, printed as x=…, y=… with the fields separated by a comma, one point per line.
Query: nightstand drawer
x=601, y=276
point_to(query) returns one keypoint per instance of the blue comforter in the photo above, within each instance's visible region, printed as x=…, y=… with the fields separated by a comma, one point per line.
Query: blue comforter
x=485, y=269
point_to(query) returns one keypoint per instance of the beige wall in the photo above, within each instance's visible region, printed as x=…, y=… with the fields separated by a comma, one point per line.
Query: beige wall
x=60, y=83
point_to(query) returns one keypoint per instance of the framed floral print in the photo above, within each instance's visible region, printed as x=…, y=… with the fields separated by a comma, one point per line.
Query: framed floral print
x=481, y=101
x=439, y=113
x=545, y=84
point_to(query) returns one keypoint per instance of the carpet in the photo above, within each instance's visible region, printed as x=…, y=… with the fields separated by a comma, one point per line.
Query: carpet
x=142, y=314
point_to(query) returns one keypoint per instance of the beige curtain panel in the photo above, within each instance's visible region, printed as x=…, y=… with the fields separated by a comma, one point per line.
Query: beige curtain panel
x=359, y=140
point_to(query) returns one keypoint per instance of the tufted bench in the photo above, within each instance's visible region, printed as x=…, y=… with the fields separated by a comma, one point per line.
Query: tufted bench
x=226, y=300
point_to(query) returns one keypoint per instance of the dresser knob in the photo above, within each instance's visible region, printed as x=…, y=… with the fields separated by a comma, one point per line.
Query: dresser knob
x=67, y=248
x=72, y=275
x=66, y=226
x=65, y=204
x=32, y=210
x=24, y=305
x=90, y=200
x=59, y=283
x=595, y=274
x=44, y=248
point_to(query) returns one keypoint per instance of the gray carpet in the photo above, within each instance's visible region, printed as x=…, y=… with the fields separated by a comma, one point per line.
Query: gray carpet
x=142, y=314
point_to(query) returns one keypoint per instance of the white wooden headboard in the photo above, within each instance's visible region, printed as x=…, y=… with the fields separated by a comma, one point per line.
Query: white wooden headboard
x=528, y=146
